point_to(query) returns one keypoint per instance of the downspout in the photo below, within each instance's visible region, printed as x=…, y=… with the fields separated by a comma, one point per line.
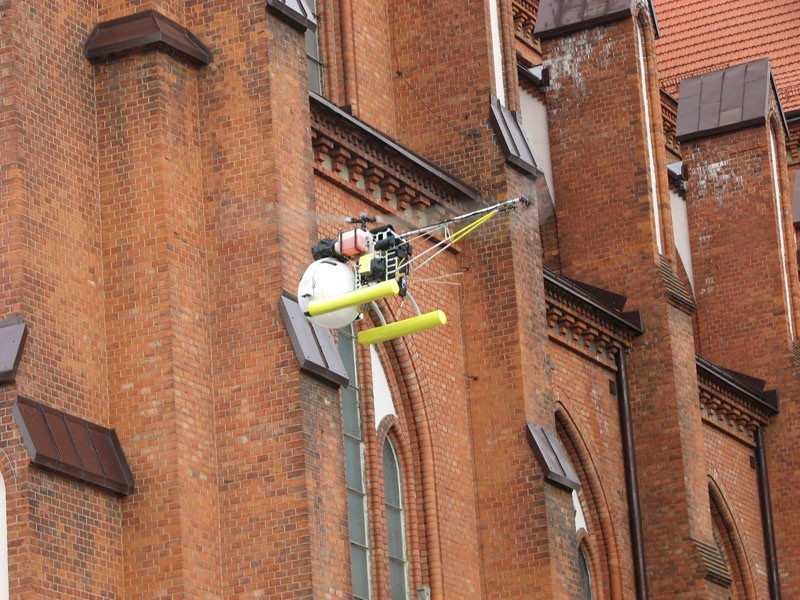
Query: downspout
x=349, y=56
x=766, y=517
x=631, y=480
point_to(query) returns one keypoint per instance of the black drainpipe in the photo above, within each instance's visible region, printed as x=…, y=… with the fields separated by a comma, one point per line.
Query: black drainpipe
x=631, y=481
x=766, y=517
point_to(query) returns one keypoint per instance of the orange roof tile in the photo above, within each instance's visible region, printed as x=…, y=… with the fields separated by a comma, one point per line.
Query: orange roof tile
x=698, y=36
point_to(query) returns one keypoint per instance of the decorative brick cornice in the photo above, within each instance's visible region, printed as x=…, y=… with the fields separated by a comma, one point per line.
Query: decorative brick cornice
x=380, y=171
x=583, y=323
x=524, y=22
x=725, y=413
x=728, y=405
x=582, y=334
x=669, y=116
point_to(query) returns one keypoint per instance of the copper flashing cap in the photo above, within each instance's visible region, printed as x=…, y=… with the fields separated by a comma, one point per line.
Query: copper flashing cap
x=557, y=17
x=72, y=446
x=313, y=345
x=142, y=29
x=12, y=338
x=516, y=146
x=297, y=13
x=725, y=100
x=796, y=200
x=552, y=457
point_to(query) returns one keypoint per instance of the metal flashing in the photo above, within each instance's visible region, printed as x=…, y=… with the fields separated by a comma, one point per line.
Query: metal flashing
x=538, y=75
x=296, y=13
x=13, y=333
x=750, y=389
x=144, y=29
x=726, y=100
x=313, y=345
x=552, y=457
x=507, y=124
x=72, y=446
x=558, y=17
x=606, y=303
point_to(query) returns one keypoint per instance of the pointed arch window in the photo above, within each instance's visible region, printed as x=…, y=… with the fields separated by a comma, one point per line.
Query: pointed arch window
x=586, y=591
x=355, y=470
x=313, y=57
x=395, y=521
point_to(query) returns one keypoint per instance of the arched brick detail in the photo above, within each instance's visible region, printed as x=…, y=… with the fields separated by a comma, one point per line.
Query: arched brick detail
x=723, y=521
x=603, y=553
x=408, y=385
x=390, y=425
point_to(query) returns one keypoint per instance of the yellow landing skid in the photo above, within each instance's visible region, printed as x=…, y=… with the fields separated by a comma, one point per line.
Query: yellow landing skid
x=384, y=289
x=406, y=326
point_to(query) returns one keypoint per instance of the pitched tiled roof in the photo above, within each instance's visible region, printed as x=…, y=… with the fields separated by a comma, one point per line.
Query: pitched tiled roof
x=699, y=36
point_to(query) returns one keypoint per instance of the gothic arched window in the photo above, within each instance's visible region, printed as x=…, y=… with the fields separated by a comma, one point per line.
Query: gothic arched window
x=395, y=521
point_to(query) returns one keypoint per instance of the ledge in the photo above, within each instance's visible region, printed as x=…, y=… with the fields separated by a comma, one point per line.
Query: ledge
x=72, y=446
x=296, y=13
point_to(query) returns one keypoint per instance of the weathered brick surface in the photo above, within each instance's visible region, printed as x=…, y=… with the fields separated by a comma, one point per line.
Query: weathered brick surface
x=741, y=294
x=731, y=474
x=589, y=427
x=153, y=211
x=64, y=537
x=607, y=238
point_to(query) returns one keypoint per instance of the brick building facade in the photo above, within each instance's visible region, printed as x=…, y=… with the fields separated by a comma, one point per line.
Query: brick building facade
x=608, y=413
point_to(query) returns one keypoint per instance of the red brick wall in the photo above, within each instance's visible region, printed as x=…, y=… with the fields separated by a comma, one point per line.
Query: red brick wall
x=51, y=275
x=375, y=65
x=740, y=293
x=275, y=435
x=590, y=414
x=442, y=96
x=525, y=525
x=607, y=238
x=157, y=319
x=736, y=250
x=736, y=481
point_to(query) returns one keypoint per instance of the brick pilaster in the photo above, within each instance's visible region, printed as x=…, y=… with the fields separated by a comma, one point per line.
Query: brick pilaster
x=608, y=238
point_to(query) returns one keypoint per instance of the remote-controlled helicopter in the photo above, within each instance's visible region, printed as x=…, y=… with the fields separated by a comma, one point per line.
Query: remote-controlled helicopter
x=365, y=265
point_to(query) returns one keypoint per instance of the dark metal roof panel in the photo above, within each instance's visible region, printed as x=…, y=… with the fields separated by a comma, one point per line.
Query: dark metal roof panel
x=796, y=200
x=73, y=446
x=12, y=339
x=297, y=13
x=516, y=146
x=724, y=100
x=746, y=387
x=552, y=457
x=313, y=345
x=140, y=30
x=557, y=17
x=603, y=301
